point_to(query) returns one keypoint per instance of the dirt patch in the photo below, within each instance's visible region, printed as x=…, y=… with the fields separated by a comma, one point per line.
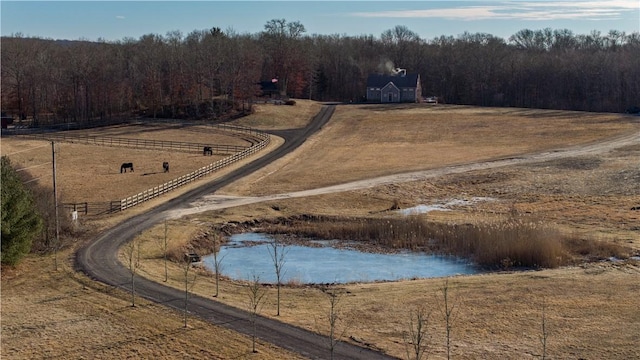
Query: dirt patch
x=578, y=163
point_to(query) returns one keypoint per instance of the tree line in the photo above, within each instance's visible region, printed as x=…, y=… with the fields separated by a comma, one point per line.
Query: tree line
x=210, y=73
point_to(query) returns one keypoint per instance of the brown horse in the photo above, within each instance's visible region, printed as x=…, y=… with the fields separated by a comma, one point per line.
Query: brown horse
x=207, y=150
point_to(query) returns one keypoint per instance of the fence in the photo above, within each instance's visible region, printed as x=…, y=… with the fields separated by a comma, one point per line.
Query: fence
x=101, y=208
x=93, y=208
x=185, y=179
x=137, y=143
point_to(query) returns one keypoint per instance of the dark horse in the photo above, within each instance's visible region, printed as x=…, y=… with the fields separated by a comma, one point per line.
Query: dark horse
x=165, y=166
x=125, y=166
x=207, y=150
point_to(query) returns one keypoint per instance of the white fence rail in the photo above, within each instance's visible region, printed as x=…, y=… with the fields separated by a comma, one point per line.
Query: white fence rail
x=186, y=179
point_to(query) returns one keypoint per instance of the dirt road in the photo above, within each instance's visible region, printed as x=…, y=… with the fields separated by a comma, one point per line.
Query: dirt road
x=99, y=258
x=216, y=202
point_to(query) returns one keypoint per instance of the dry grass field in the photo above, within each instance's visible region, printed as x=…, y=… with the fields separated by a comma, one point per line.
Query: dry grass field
x=591, y=310
x=87, y=173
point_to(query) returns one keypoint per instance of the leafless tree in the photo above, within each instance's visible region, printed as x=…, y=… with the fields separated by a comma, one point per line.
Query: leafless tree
x=417, y=338
x=338, y=323
x=132, y=255
x=280, y=39
x=165, y=248
x=278, y=252
x=256, y=293
x=189, y=283
x=449, y=312
x=50, y=81
x=217, y=261
x=544, y=329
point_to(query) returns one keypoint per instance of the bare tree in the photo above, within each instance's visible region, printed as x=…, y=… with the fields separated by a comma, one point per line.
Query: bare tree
x=278, y=253
x=217, y=261
x=256, y=293
x=189, y=283
x=417, y=338
x=165, y=247
x=448, y=309
x=545, y=331
x=280, y=39
x=132, y=255
x=338, y=323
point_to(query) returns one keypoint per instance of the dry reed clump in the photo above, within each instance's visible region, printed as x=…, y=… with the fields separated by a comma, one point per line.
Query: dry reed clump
x=597, y=250
x=498, y=244
x=508, y=243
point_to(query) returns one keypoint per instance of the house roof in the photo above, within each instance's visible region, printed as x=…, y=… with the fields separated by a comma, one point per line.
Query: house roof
x=268, y=86
x=378, y=80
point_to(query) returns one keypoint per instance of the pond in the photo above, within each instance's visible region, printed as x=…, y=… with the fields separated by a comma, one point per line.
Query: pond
x=247, y=255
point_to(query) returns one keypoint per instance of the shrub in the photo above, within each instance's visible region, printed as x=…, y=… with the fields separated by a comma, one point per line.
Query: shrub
x=290, y=102
x=20, y=222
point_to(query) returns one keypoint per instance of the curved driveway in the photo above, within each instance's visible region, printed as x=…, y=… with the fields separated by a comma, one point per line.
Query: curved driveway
x=99, y=260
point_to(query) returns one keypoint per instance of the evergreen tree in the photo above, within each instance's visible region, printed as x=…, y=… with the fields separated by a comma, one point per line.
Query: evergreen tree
x=21, y=223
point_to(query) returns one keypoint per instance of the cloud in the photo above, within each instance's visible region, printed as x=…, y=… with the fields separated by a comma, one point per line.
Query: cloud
x=516, y=10
x=120, y=17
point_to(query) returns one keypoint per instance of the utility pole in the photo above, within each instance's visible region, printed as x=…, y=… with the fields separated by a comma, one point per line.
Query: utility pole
x=55, y=201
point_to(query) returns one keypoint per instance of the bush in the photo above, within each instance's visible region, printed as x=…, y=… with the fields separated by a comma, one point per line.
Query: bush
x=290, y=102
x=21, y=223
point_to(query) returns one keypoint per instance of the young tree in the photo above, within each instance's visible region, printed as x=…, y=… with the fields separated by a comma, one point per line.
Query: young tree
x=278, y=252
x=417, y=339
x=217, y=262
x=256, y=294
x=334, y=317
x=165, y=248
x=448, y=309
x=189, y=283
x=132, y=255
x=545, y=331
x=20, y=222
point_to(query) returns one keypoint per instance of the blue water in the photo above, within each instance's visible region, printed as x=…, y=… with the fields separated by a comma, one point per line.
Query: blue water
x=320, y=265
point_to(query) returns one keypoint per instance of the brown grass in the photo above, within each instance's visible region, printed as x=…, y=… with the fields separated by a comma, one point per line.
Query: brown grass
x=364, y=141
x=498, y=315
x=503, y=243
x=277, y=117
x=87, y=173
x=591, y=308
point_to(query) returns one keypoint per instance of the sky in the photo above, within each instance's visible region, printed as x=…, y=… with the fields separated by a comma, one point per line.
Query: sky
x=116, y=20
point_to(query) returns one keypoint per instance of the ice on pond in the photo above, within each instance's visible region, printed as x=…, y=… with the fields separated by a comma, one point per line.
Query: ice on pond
x=445, y=206
x=248, y=255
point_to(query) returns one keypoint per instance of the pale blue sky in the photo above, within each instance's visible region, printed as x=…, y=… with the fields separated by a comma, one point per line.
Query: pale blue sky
x=115, y=20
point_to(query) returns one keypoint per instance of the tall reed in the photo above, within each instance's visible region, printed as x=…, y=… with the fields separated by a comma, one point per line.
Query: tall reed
x=512, y=242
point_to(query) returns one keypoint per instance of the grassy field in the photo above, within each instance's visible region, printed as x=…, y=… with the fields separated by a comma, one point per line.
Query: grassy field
x=591, y=310
x=87, y=173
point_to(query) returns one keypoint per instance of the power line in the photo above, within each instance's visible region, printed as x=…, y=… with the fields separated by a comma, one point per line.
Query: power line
x=30, y=167
x=17, y=152
x=26, y=182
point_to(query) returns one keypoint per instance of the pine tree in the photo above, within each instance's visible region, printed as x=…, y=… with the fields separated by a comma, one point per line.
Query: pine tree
x=21, y=223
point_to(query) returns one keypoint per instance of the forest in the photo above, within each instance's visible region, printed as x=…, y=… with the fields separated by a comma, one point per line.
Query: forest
x=208, y=74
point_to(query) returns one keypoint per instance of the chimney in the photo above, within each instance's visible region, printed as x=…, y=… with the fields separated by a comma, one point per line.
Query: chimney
x=399, y=71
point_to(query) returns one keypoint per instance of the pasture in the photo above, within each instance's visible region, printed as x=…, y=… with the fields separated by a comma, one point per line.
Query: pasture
x=590, y=309
x=88, y=173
